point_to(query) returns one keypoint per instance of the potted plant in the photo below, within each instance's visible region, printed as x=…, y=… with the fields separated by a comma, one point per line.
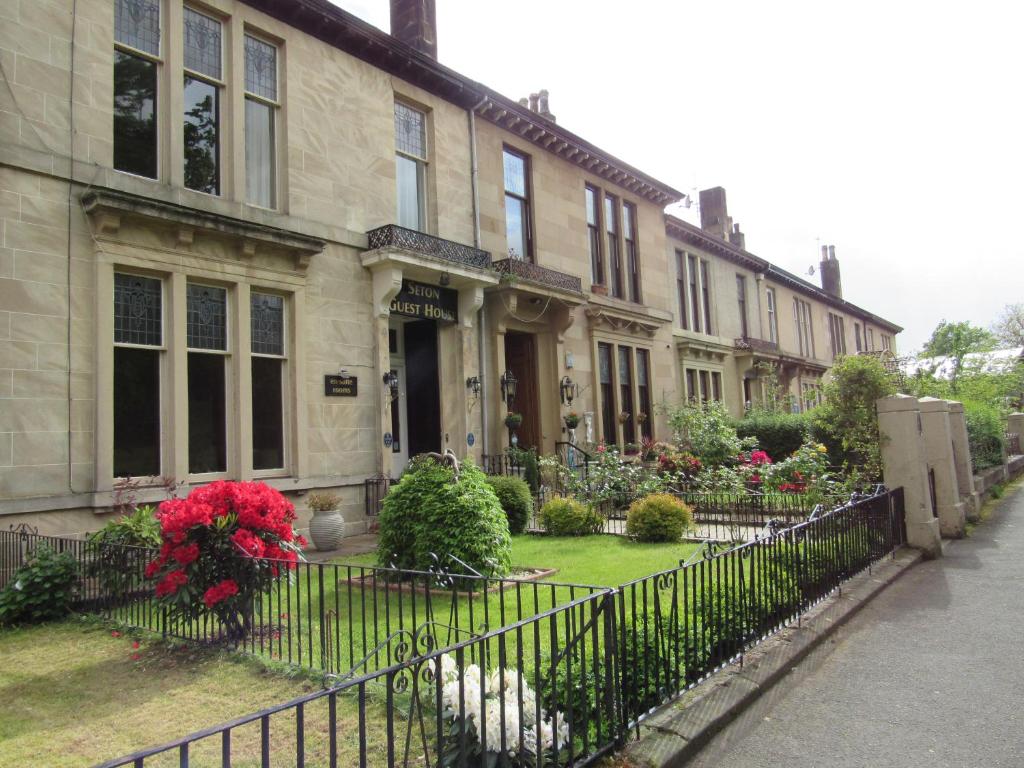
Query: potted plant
x=327, y=527
x=623, y=417
x=513, y=420
x=572, y=420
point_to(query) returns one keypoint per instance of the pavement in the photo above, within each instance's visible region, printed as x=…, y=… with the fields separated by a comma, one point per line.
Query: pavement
x=929, y=673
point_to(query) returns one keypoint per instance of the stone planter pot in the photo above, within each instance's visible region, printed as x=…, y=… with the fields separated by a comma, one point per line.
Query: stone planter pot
x=327, y=529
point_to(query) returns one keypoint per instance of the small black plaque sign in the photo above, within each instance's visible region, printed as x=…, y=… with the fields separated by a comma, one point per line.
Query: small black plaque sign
x=340, y=386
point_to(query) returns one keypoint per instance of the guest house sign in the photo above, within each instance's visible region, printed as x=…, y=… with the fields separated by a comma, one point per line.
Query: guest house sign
x=426, y=302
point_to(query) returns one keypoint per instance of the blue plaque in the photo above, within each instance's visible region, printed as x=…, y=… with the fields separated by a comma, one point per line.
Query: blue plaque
x=470, y=439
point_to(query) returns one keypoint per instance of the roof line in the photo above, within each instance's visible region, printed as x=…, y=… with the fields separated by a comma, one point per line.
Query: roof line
x=341, y=29
x=684, y=230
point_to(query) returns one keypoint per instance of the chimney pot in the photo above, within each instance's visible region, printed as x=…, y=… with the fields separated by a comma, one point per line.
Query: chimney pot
x=831, y=280
x=414, y=22
x=832, y=252
x=824, y=252
x=534, y=99
x=524, y=102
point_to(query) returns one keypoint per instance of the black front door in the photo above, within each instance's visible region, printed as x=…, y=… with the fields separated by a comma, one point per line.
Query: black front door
x=423, y=391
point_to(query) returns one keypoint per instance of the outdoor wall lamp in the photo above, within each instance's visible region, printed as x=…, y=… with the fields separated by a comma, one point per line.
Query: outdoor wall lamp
x=391, y=382
x=508, y=388
x=568, y=390
x=473, y=385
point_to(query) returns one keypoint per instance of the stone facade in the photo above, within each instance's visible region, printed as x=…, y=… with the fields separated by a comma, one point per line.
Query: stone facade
x=70, y=224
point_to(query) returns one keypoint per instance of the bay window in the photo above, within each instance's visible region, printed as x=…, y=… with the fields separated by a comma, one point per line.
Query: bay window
x=410, y=166
x=604, y=361
x=611, y=225
x=594, y=235
x=261, y=104
x=207, y=342
x=267, y=320
x=202, y=36
x=138, y=359
x=773, y=320
x=626, y=394
x=136, y=64
x=643, y=391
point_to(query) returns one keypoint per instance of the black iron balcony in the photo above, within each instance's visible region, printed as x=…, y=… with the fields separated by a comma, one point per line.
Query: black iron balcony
x=393, y=236
x=549, y=278
x=758, y=346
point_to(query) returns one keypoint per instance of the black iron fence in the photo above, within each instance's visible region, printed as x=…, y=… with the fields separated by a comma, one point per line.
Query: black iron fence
x=511, y=696
x=330, y=617
x=435, y=667
x=374, y=491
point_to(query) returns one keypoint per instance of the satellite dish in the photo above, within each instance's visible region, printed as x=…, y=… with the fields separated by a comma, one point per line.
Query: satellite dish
x=810, y=270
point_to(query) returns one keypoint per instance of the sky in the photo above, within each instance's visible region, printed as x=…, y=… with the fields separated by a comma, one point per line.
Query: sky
x=891, y=130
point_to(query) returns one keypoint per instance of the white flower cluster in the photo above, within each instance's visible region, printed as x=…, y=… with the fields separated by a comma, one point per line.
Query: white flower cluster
x=494, y=696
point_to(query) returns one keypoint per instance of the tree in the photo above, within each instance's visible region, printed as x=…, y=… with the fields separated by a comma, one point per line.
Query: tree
x=955, y=341
x=1009, y=327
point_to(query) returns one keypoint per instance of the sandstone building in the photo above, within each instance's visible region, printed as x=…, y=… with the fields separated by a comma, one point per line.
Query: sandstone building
x=264, y=239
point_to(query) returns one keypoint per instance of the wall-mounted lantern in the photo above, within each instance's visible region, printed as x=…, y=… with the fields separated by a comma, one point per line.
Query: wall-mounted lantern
x=508, y=388
x=568, y=390
x=391, y=383
x=473, y=385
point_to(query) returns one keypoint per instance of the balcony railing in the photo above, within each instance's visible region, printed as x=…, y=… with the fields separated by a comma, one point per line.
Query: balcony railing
x=550, y=278
x=393, y=236
x=757, y=345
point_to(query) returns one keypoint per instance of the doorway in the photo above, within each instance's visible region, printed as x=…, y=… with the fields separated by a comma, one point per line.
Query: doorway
x=521, y=360
x=416, y=414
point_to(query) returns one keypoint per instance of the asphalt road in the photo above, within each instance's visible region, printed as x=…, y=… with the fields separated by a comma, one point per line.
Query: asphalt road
x=930, y=673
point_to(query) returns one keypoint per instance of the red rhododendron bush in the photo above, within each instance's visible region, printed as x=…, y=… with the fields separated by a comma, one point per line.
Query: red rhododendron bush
x=222, y=545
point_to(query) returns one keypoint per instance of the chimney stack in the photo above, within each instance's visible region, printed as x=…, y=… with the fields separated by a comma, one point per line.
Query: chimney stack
x=542, y=105
x=534, y=99
x=831, y=282
x=737, y=238
x=414, y=22
x=714, y=215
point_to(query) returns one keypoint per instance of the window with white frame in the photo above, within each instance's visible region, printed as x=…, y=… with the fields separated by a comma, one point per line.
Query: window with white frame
x=886, y=342
x=139, y=350
x=591, y=198
x=517, y=205
x=773, y=318
x=207, y=341
x=137, y=61
x=202, y=98
x=869, y=336
x=411, y=166
x=261, y=105
x=837, y=334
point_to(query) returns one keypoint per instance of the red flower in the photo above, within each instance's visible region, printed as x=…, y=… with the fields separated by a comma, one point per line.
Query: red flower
x=115, y=633
x=251, y=544
x=136, y=656
x=755, y=478
x=302, y=542
x=757, y=458
x=171, y=583
x=186, y=553
x=152, y=569
x=220, y=592
x=135, y=645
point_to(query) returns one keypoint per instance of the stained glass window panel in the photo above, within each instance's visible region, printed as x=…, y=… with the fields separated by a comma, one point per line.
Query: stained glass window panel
x=260, y=68
x=267, y=324
x=410, y=131
x=202, y=44
x=206, y=322
x=137, y=310
x=137, y=24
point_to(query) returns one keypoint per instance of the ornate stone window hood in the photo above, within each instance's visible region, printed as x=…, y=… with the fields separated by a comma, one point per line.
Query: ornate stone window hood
x=109, y=208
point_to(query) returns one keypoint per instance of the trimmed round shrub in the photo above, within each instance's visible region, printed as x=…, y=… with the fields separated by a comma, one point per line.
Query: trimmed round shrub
x=430, y=512
x=514, y=495
x=563, y=516
x=658, y=517
x=777, y=434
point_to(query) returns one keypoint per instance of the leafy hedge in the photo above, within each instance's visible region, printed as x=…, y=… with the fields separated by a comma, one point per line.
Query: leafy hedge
x=40, y=590
x=514, y=495
x=985, y=434
x=567, y=517
x=777, y=434
x=429, y=511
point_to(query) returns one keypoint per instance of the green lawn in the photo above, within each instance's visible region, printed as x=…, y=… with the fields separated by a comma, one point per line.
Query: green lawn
x=75, y=696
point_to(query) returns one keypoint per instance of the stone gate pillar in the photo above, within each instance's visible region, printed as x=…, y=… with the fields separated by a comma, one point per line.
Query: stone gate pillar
x=962, y=461
x=903, y=464
x=938, y=452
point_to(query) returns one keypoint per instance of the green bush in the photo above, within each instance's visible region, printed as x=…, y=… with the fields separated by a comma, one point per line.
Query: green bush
x=514, y=495
x=41, y=589
x=658, y=517
x=567, y=517
x=118, y=551
x=777, y=434
x=985, y=434
x=527, y=459
x=430, y=511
